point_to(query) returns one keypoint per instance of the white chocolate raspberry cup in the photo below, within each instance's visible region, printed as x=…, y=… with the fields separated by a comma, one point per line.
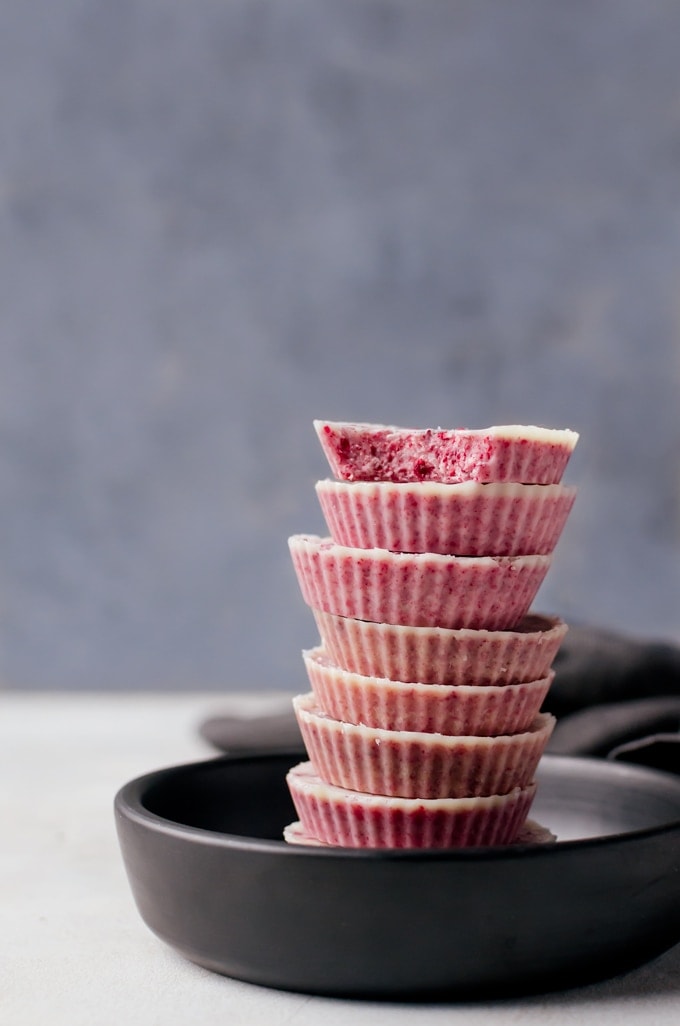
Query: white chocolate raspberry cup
x=417, y=589
x=436, y=655
x=337, y=816
x=484, y=710
x=511, y=452
x=467, y=519
x=410, y=764
x=530, y=833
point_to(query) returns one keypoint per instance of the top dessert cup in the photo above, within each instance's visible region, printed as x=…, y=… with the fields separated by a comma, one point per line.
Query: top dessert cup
x=466, y=519
x=377, y=452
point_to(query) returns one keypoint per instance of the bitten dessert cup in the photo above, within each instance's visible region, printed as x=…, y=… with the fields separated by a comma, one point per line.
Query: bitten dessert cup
x=436, y=655
x=485, y=710
x=416, y=589
x=337, y=816
x=467, y=519
x=409, y=764
x=378, y=452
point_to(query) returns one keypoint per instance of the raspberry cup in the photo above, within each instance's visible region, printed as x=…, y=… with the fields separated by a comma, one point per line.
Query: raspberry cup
x=467, y=519
x=377, y=452
x=484, y=710
x=410, y=764
x=530, y=833
x=337, y=816
x=416, y=589
x=436, y=655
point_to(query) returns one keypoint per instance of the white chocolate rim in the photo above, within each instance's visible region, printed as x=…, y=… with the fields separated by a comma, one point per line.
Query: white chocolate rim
x=449, y=490
x=532, y=627
x=318, y=547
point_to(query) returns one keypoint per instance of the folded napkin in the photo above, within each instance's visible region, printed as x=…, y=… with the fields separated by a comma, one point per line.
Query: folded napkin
x=254, y=735
x=615, y=697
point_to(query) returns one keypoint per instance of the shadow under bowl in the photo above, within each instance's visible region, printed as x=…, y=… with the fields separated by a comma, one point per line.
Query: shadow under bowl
x=212, y=878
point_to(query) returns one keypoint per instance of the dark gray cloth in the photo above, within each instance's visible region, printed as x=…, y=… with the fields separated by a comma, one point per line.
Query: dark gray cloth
x=596, y=667
x=237, y=735
x=617, y=697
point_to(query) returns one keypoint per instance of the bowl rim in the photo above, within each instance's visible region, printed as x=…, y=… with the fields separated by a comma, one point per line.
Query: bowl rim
x=129, y=805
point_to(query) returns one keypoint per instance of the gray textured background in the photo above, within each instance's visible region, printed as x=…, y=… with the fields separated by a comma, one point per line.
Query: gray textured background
x=223, y=218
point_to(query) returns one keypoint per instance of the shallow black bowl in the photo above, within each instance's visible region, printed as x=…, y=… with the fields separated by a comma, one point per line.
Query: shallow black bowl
x=211, y=877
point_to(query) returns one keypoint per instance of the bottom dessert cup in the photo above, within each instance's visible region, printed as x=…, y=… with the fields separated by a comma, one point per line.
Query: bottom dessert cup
x=337, y=816
x=530, y=832
x=485, y=710
x=438, y=655
x=411, y=764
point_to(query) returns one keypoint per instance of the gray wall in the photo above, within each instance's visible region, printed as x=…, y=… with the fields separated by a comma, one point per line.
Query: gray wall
x=223, y=218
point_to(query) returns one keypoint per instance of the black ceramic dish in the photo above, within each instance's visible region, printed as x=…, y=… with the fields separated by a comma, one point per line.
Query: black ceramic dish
x=211, y=878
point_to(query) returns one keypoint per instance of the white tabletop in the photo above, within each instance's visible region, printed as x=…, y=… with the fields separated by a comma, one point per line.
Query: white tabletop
x=73, y=949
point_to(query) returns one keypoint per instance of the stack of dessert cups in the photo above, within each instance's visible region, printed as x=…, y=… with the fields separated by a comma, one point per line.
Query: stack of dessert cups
x=423, y=726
